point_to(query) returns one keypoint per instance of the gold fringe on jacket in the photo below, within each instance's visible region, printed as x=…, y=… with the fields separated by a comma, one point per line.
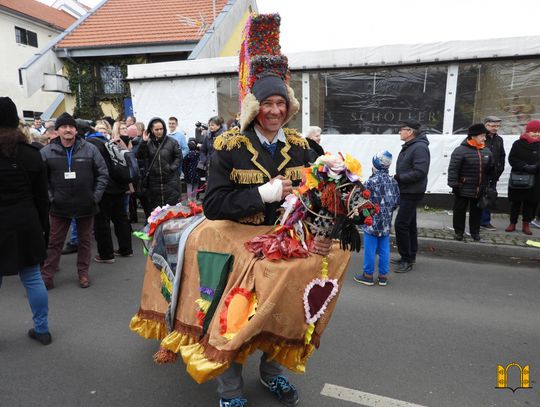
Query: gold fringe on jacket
x=294, y=173
x=248, y=177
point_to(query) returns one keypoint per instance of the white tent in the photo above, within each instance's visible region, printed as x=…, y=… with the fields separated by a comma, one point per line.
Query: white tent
x=188, y=90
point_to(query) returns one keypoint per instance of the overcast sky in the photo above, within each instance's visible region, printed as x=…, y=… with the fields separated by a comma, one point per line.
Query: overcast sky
x=317, y=24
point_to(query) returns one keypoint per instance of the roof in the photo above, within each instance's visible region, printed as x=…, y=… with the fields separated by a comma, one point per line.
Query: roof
x=135, y=22
x=348, y=58
x=39, y=12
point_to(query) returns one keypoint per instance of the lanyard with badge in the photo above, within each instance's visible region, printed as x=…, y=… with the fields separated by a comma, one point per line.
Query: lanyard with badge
x=70, y=174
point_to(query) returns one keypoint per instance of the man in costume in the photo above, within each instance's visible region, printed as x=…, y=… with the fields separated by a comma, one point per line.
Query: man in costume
x=221, y=287
x=253, y=170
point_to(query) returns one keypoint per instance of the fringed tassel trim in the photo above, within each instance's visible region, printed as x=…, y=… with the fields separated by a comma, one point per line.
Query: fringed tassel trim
x=248, y=177
x=163, y=356
x=293, y=137
x=197, y=354
x=230, y=139
x=294, y=173
x=148, y=329
x=257, y=219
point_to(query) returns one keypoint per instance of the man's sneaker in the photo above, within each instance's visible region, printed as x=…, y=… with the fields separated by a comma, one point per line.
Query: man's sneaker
x=117, y=253
x=403, y=267
x=69, y=248
x=489, y=226
x=536, y=223
x=235, y=402
x=284, y=391
x=458, y=237
x=363, y=279
x=100, y=260
x=383, y=280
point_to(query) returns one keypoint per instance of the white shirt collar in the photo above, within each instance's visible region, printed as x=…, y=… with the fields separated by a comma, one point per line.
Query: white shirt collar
x=280, y=136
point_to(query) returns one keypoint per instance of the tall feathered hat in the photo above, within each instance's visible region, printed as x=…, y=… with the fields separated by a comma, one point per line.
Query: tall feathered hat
x=263, y=70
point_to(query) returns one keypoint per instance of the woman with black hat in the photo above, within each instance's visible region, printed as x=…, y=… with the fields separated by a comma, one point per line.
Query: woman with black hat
x=23, y=216
x=468, y=174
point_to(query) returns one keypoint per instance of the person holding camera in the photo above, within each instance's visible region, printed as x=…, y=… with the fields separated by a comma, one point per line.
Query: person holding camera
x=215, y=128
x=201, y=130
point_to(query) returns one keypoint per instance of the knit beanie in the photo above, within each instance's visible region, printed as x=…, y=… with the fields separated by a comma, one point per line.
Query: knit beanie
x=8, y=113
x=382, y=160
x=533, y=126
x=64, y=119
x=269, y=85
x=476, y=129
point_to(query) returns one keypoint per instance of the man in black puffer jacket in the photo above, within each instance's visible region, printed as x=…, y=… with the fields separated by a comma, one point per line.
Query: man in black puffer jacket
x=495, y=144
x=77, y=177
x=163, y=181
x=412, y=169
x=469, y=172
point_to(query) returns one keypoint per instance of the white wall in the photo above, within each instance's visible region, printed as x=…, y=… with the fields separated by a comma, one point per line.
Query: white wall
x=364, y=147
x=190, y=100
x=14, y=55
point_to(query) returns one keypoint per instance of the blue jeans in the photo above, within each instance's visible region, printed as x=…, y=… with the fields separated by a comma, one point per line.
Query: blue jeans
x=37, y=296
x=374, y=245
x=74, y=239
x=486, y=217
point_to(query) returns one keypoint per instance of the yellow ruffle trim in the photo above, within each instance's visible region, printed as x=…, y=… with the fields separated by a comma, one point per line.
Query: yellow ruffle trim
x=293, y=357
x=148, y=329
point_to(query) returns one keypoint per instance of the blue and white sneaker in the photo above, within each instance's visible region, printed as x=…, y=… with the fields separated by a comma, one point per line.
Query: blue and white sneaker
x=282, y=389
x=234, y=402
x=363, y=279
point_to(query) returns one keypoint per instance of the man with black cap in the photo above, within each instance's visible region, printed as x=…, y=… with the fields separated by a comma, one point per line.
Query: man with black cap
x=495, y=144
x=412, y=169
x=77, y=177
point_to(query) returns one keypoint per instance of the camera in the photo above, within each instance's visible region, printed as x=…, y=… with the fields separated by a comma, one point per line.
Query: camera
x=201, y=125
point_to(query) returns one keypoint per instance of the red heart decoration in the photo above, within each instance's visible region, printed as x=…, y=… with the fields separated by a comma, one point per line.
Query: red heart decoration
x=317, y=296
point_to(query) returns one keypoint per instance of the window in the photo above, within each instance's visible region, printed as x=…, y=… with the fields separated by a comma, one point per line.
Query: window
x=112, y=80
x=26, y=37
x=376, y=101
x=507, y=89
x=228, y=97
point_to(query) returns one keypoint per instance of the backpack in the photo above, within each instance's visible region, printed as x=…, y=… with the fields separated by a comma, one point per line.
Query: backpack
x=124, y=168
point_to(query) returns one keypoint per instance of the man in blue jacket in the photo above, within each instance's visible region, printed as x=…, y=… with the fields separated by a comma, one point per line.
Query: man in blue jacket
x=412, y=169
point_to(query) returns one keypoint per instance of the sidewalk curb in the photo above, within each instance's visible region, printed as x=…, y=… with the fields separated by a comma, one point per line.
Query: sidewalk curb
x=480, y=251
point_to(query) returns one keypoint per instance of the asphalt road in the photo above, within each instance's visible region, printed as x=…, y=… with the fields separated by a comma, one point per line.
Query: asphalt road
x=432, y=337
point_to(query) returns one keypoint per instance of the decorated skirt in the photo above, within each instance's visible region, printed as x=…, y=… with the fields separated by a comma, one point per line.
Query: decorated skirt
x=213, y=302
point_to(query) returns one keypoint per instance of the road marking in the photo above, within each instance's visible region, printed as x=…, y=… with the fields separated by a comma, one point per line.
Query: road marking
x=365, y=399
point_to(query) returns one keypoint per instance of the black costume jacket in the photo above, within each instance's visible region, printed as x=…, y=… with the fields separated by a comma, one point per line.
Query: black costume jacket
x=240, y=164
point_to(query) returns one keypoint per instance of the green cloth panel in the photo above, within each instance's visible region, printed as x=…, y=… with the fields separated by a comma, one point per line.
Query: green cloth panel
x=214, y=269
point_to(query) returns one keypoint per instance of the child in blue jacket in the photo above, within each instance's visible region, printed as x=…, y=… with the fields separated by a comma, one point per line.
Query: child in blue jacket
x=385, y=193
